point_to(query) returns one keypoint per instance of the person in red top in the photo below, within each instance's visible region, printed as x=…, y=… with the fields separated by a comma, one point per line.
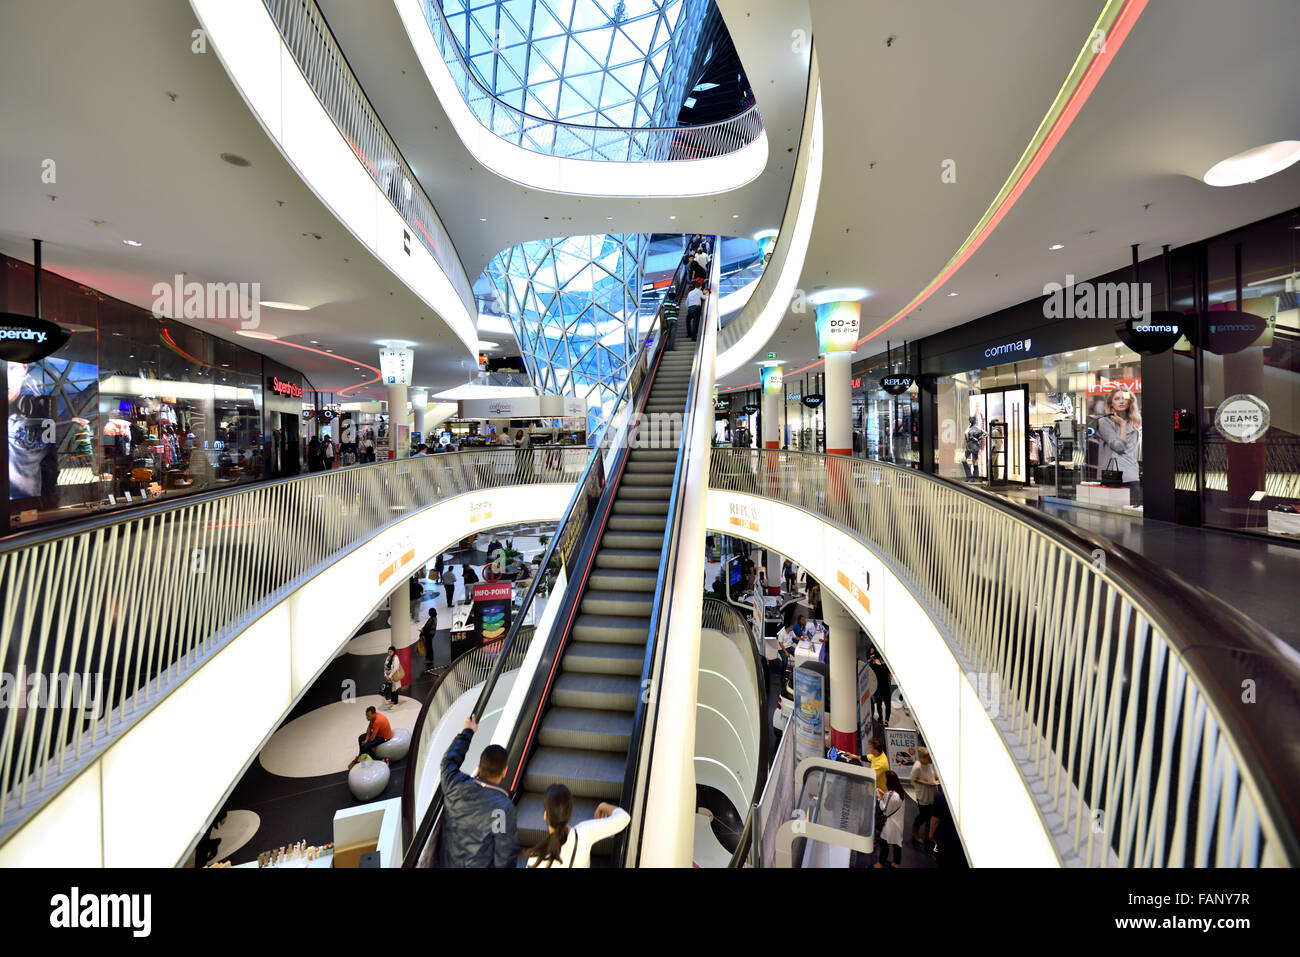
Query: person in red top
x=377, y=732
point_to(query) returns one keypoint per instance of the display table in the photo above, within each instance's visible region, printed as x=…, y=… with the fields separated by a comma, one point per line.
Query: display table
x=1092, y=493
x=808, y=650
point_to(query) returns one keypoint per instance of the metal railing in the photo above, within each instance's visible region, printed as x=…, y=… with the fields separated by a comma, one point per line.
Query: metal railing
x=134, y=602
x=1121, y=683
x=561, y=555
x=326, y=70
x=578, y=141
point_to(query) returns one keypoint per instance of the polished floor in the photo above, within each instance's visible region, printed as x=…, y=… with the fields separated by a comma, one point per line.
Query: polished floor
x=1255, y=576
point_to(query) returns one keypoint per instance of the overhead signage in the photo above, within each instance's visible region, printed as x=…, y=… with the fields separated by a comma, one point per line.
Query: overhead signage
x=751, y=409
x=327, y=415
x=721, y=405
x=28, y=339
x=1225, y=331
x=837, y=326
x=772, y=379
x=289, y=389
x=308, y=415
x=395, y=366
x=1152, y=335
x=896, y=384
x=814, y=400
x=1242, y=418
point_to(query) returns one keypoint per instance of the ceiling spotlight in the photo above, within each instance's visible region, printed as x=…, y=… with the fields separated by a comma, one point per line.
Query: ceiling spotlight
x=1254, y=165
x=291, y=306
x=1056, y=246
x=482, y=219
x=315, y=342
x=131, y=242
x=951, y=294
x=674, y=217
x=842, y=294
x=234, y=159
x=735, y=215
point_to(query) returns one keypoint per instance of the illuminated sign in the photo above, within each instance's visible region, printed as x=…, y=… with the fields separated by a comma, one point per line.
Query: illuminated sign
x=1105, y=386
x=1008, y=348
x=814, y=400
x=1155, y=335
x=286, y=388
x=751, y=409
x=896, y=384
x=28, y=339
x=772, y=379
x=837, y=326
x=395, y=366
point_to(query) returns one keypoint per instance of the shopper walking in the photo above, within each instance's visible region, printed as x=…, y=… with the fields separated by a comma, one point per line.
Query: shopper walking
x=449, y=585
x=481, y=827
x=415, y=591
x=393, y=675
x=882, y=700
x=327, y=451
x=566, y=846
x=924, y=780
x=313, y=455
x=428, y=635
x=890, y=837
x=471, y=577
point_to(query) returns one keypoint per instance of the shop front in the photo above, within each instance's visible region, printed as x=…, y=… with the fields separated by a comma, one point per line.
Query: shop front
x=885, y=425
x=131, y=409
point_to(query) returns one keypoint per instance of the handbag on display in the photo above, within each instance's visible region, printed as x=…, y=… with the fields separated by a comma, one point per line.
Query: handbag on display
x=1111, y=476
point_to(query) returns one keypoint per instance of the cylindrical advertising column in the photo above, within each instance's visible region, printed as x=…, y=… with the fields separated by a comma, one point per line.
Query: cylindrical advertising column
x=837, y=405
x=843, y=660
x=397, y=430
x=773, y=396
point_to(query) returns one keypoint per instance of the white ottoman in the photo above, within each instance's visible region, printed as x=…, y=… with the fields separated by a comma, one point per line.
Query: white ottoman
x=396, y=746
x=368, y=779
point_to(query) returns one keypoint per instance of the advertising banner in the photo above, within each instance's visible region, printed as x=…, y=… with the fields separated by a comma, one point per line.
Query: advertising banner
x=837, y=326
x=772, y=379
x=900, y=748
x=809, y=714
x=866, y=686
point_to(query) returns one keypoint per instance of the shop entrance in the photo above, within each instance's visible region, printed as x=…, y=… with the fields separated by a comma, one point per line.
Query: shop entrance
x=997, y=437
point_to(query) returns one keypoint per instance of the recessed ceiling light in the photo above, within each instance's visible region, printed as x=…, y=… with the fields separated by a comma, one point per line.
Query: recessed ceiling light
x=674, y=217
x=1254, y=165
x=842, y=294
x=1056, y=246
x=291, y=306
x=609, y=217
x=735, y=215
x=234, y=159
x=315, y=342
x=131, y=242
x=329, y=350
x=951, y=294
x=482, y=219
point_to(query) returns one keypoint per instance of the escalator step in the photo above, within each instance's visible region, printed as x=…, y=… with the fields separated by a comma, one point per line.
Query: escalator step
x=612, y=629
x=589, y=774
x=586, y=730
x=624, y=506
x=596, y=692
x=639, y=523
x=628, y=558
x=624, y=579
x=613, y=603
x=632, y=539
x=603, y=658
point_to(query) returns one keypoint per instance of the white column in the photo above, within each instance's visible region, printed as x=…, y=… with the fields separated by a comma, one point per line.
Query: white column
x=838, y=404
x=843, y=661
x=398, y=433
x=419, y=403
x=772, y=401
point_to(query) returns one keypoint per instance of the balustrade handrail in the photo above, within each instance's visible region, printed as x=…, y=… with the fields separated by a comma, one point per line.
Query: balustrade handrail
x=204, y=567
x=656, y=143
x=324, y=66
x=1117, y=671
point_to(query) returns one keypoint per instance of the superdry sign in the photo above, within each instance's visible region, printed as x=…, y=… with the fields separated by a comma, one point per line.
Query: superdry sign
x=288, y=389
x=28, y=339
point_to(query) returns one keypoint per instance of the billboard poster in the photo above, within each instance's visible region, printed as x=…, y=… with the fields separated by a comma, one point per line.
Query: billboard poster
x=900, y=748
x=866, y=686
x=772, y=379
x=809, y=714
x=492, y=612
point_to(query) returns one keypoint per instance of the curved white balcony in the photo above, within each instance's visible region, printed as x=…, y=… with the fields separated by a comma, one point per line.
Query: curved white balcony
x=581, y=160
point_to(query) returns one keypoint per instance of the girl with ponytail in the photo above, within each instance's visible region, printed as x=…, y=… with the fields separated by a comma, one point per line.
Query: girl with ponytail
x=566, y=846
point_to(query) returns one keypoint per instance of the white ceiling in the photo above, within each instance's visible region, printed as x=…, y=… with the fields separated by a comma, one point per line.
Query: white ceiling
x=1196, y=81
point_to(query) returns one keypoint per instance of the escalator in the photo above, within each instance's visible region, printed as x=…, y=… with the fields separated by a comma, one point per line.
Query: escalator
x=585, y=731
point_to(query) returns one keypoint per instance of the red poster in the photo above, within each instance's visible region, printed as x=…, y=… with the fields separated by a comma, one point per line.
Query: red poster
x=1107, y=386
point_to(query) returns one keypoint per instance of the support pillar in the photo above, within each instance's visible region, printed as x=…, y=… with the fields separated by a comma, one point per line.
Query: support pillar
x=399, y=625
x=419, y=405
x=837, y=338
x=843, y=662
x=398, y=432
x=773, y=398
x=838, y=404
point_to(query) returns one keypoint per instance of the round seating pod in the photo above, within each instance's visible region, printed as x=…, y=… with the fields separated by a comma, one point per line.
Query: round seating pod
x=396, y=746
x=368, y=779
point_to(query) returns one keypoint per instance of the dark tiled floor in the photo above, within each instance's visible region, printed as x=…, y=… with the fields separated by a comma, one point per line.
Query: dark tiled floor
x=294, y=809
x=1256, y=577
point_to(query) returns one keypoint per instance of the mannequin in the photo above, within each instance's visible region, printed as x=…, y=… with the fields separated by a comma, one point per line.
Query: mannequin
x=971, y=461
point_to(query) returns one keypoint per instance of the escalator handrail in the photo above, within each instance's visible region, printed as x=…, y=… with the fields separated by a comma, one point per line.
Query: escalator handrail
x=668, y=558
x=650, y=340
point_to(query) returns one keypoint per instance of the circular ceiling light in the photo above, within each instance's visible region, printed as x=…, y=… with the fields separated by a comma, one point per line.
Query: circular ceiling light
x=254, y=334
x=1253, y=165
x=951, y=294
x=841, y=294
x=291, y=306
x=234, y=159
x=131, y=242
x=1056, y=246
